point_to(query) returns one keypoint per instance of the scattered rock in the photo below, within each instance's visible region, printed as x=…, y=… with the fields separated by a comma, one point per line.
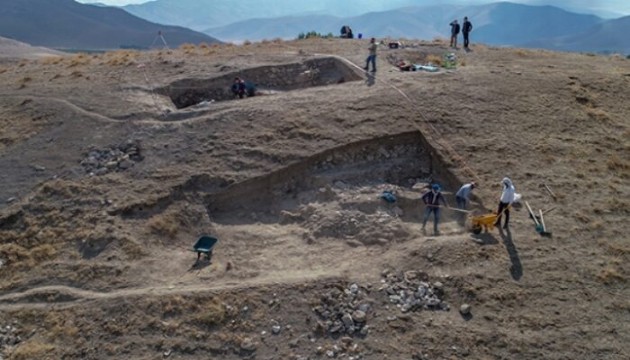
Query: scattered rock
x=114, y=158
x=9, y=336
x=354, y=288
x=276, y=329
x=465, y=309
x=337, y=308
x=248, y=345
x=10, y=200
x=294, y=343
x=411, y=291
x=358, y=316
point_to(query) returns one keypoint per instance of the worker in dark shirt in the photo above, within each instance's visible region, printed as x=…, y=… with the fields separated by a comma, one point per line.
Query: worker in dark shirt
x=466, y=29
x=238, y=87
x=454, y=32
x=432, y=200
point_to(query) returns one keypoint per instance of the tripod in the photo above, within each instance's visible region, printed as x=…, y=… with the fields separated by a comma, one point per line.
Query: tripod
x=160, y=37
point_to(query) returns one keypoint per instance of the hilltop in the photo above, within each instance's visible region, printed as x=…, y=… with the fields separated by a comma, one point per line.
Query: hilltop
x=12, y=49
x=116, y=163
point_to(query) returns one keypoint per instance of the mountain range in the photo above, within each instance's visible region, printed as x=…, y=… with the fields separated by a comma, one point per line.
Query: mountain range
x=503, y=24
x=202, y=14
x=608, y=36
x=66, y=24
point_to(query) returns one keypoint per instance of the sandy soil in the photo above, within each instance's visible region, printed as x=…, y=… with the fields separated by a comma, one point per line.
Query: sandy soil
x=106, y=185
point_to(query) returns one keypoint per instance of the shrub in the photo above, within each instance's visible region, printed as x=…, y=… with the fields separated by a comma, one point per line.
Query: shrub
x=32, y=350
x=314, y=34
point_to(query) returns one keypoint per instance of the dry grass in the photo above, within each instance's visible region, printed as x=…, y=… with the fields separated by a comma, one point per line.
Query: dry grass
x=618, y=250
x=19, y=257
x=610, y=275
x=60, y=326
x=31, y=350
x=132, y=249
x=14, y=254
x=23, y=81
x=618, y=205
x=434, y=59
x=597, y=114
x=188, y=49
x=43, y=252
x=120, y=58
x=52, y=60
x=3, y=70
x=583, y=218
x=164, y=224
x=618, y=165
x=213, y=314
x=78, y=60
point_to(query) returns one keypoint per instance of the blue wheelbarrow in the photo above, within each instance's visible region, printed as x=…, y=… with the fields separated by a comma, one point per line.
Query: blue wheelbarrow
x=205, y=245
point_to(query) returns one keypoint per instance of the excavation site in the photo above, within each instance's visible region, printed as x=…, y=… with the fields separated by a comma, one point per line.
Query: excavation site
x=148, y=212
x=267, y=80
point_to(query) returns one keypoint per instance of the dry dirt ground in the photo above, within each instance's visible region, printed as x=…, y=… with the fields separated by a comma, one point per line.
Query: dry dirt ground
x=106, y=185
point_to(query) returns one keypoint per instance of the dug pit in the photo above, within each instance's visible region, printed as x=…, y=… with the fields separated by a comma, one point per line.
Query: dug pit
x=337, y=194
x=268, y=79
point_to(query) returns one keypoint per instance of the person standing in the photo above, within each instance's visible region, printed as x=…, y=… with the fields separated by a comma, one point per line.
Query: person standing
x=462, y=197
x=372, y=56
x=466, y=29
x=507, y=198
x=432, y=200
x=454, y=32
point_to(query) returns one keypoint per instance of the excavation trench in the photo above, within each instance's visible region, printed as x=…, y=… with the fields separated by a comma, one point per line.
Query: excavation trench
x=268, y=79
x=352, y=177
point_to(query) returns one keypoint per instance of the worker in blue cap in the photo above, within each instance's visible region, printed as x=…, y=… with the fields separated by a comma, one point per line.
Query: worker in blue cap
x=432, y=200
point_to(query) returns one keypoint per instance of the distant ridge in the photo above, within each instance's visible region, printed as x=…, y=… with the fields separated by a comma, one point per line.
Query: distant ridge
x=497, y=23
x=13, y=49
x=607, y=37
x=66, y=24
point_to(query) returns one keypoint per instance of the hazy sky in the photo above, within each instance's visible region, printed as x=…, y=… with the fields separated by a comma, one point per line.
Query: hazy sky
x=612, y=6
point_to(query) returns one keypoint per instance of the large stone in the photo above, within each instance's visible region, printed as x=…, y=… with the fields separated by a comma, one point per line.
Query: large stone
x=465, y=309
x=125, y=164
x=354, y=288
x=347, y=320
x=359, y=316
x=248, y=345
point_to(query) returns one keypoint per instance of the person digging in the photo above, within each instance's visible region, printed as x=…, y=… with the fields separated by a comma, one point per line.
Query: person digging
x=432, y=200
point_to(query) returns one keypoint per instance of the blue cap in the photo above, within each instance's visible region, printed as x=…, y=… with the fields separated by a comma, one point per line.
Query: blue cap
x=435, y=187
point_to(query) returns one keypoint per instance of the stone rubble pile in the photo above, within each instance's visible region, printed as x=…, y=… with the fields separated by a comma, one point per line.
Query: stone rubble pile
x=411, y=291
x=8, y=337
x=343, y=312
x=115, y=158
